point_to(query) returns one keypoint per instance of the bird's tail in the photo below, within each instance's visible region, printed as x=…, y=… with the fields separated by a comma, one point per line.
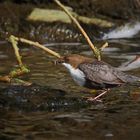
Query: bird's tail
x=133, y=79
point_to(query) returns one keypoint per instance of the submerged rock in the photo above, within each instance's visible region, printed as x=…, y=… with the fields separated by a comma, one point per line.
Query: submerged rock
x=37, y=97
x=52, y=15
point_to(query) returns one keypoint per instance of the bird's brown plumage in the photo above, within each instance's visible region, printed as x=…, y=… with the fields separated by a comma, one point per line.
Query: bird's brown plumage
x=98, y=74
x=74, y=60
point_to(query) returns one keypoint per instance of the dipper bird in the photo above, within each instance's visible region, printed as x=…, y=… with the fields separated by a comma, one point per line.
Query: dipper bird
x=94, y=74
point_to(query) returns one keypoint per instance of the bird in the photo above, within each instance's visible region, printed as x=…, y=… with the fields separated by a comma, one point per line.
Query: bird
x=93, y=74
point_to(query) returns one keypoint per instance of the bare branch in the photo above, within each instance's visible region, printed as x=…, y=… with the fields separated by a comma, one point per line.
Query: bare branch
x=36, y=44
x=95, y=50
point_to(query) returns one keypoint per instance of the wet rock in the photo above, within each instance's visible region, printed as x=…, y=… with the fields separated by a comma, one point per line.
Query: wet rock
x=37, y=97
x=60, y=16
x=50, y=114
x=13, y=21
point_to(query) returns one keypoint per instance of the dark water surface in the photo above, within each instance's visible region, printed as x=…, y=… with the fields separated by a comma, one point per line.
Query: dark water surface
x=32, y=115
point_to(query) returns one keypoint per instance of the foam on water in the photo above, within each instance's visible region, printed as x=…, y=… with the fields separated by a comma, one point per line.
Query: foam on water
x=126, y=31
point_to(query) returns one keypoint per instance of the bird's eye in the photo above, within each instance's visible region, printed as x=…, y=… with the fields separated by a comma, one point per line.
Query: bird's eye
x=59, y=61
x=66, y=59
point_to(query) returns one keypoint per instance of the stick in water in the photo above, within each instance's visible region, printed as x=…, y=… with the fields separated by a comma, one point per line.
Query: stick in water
x=95, y=50
x=36, y=44
x=16, y=49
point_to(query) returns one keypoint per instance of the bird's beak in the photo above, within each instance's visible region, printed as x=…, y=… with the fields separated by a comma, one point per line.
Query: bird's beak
x=59, y=61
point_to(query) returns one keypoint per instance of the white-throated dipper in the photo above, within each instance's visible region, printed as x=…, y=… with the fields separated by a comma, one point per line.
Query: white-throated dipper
x=94, y=74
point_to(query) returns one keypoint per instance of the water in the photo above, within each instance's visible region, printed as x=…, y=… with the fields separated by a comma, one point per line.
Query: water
x=128, y=30
x=117, y=117
x=57, y=109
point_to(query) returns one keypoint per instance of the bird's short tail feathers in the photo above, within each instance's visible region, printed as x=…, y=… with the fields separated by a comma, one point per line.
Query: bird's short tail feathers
x=132, y=79
x=127, y=78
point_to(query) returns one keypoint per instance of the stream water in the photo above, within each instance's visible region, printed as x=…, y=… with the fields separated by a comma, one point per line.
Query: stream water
x=117, y=117
x=54, y=107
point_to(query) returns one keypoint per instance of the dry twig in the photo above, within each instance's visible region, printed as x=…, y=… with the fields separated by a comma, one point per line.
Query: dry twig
x=36, y=44
x=104, y=46
x=95, y=50
x=19, y=71
x=5, y=78
x=16, y=49
x=22, y=70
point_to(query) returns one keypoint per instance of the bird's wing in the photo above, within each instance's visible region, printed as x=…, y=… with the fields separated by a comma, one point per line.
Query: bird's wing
x=100, y=72
x=127, y=78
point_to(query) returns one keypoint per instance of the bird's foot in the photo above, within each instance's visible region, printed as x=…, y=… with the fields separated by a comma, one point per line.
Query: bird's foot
x=92, y=99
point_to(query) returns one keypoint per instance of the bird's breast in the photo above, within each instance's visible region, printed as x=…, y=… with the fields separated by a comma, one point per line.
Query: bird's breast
x=77, y=75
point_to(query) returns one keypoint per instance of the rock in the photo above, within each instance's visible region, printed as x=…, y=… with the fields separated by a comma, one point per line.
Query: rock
x=49, y=15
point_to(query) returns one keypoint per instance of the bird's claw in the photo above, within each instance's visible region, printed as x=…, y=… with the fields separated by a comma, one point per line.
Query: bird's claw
x=92, y=99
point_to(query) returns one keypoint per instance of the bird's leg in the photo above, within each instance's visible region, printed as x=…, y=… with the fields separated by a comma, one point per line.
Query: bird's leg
x=98, y=96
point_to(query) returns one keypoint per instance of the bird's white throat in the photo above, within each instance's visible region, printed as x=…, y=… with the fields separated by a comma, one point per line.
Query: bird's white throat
x=77, y=75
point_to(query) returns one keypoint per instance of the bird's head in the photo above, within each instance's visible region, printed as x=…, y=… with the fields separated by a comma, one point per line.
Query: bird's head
x=74, y=60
